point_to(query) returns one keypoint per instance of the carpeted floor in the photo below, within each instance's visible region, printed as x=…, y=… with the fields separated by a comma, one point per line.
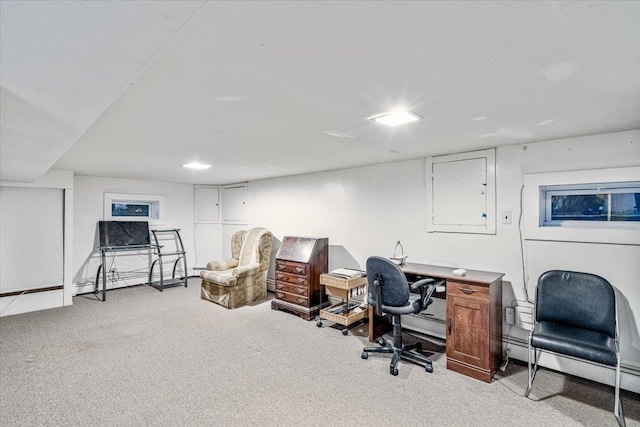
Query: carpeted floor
x=168, y=358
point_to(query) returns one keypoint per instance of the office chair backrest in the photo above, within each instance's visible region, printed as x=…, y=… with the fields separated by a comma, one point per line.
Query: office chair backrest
x=578, y=299
x=395, y=289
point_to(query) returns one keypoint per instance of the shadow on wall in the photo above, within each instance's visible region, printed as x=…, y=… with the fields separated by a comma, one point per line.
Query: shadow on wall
x=628, y=330
x=339, y=257
x=275, y=245
x=86, y=274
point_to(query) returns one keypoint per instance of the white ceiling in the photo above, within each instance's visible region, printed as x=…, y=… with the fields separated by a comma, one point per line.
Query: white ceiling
x=264, y=89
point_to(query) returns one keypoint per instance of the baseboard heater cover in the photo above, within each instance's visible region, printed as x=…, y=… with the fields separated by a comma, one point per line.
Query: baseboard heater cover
x=31, y=291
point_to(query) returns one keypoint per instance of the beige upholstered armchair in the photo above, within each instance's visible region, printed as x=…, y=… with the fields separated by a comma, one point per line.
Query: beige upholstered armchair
x=243, y=278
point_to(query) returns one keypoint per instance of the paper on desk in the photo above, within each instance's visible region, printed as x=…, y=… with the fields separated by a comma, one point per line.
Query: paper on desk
x=347, y=272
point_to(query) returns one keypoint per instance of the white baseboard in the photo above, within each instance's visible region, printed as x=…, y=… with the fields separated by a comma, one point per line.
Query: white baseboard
x=24, y=303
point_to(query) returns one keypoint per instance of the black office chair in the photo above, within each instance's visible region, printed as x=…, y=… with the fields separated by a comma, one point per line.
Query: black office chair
x=389, y=293
x=576, y=315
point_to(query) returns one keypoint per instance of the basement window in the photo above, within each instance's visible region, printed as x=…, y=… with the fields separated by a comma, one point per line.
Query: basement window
x=600, y=205
x=134, y=207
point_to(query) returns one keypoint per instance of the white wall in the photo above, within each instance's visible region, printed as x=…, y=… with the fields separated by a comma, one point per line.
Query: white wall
x=88, y=210
x=364, y=211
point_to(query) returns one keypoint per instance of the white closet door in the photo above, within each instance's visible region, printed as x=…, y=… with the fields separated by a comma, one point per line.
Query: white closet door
x=31, y=238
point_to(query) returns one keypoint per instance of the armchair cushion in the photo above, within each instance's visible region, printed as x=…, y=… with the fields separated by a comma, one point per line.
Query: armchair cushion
x=577, y=342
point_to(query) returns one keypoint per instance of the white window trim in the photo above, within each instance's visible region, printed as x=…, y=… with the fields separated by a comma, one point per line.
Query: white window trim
x=156, y=214
x=547, y=192
x=533, y=203
x=490, y=226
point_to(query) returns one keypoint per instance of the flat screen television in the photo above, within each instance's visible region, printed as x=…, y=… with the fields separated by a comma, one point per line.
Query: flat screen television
x=123, y=233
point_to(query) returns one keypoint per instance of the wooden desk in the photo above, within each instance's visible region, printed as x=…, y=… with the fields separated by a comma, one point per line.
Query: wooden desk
x=473, y=318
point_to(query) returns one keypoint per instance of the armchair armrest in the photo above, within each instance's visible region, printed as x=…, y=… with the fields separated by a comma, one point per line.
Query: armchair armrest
x=427, y=287
x=226, y=264
x=246, y=270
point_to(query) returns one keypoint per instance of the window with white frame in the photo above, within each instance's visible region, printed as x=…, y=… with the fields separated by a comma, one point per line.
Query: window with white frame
x=594, y=206
x=591, y=205
x=134, y=207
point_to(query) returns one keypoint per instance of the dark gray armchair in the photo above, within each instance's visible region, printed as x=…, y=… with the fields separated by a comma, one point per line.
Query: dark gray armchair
x=576, y=315
x=390, y=293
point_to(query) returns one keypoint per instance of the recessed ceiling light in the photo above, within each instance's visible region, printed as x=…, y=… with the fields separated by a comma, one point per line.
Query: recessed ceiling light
x=196, y=165
x=479, y=118
x=545, y=122
x=487, y=135
x=395, y=118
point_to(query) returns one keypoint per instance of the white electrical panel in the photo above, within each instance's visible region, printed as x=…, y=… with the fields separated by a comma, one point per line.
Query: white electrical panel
x=207, y=204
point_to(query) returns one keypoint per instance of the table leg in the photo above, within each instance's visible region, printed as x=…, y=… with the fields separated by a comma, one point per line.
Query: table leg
x=104, y=275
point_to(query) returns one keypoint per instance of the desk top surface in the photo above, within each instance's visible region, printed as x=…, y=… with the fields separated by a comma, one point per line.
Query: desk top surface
x=476, y=276
x=128, y=247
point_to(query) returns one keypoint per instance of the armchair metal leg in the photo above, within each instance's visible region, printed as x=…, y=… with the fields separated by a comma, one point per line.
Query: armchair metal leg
x=617, y=410
x=531, y=373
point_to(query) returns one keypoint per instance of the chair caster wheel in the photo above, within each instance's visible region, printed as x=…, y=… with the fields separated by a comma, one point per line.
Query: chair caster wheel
x=364, y=355
x=393, y=371
x=345, y=332
x=319, y=323
x=382, y=342
x=429, y=368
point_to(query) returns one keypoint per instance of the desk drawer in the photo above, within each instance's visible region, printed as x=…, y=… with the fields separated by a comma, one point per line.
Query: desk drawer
x=294, y=299
x=461, y=289
x=291, y=267
x=292, y=288
x=292, y=278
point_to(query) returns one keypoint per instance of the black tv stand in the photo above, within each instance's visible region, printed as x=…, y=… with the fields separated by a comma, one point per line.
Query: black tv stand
x=103, y=257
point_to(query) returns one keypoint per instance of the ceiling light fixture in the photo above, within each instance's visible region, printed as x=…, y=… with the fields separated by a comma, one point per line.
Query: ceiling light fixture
x=479, y=118
x=196, y=165
x=395, y=118
x=545, y=122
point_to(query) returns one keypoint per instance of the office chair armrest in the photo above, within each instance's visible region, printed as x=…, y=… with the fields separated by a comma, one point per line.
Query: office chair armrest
x=374, y=299
x=427, y=287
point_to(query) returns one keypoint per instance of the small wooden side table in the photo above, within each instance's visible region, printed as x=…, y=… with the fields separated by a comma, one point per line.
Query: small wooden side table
x=343, y=313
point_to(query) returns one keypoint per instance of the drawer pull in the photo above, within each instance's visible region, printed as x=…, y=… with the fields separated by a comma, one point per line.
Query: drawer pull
x=299, y=269
x=279, y=276
x=301, y=300
x=301, y=291
x=468, y=291
x=279, y=295
x=279, y=286
x=301, y=280
x=281, y=266
x=449, y=325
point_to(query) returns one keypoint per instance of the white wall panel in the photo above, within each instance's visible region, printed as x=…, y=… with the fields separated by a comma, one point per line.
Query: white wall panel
x=31, y=247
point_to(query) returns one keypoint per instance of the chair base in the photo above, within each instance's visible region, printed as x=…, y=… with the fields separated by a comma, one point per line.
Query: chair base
x=232, y=296
x=410, y=352
x=532, y=370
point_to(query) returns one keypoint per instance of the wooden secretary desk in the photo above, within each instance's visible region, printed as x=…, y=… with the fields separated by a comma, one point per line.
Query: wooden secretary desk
x=473, y=318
